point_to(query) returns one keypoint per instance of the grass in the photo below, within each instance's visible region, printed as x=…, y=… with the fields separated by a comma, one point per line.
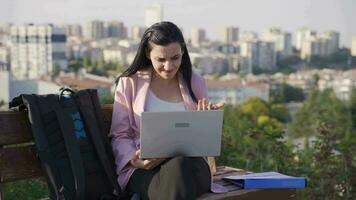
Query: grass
x=32, y=189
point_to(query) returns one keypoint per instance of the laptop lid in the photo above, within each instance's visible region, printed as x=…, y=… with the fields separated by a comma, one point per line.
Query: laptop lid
x=181, y=133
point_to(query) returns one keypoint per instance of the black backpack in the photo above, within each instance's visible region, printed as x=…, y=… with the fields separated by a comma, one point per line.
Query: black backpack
x=72, y=147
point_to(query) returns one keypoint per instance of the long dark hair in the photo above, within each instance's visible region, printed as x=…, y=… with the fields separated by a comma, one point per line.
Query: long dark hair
x=161, y=33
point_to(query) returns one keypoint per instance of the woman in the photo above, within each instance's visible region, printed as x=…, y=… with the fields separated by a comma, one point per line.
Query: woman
x=159, y=79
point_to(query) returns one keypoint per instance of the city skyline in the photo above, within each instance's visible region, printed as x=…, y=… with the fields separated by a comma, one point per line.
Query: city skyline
x=247, y=16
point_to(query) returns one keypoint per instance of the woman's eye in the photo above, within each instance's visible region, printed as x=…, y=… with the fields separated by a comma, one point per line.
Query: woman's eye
x=160, y=59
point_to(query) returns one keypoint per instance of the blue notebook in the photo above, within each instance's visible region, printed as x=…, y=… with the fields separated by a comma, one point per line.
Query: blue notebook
x=266, y=180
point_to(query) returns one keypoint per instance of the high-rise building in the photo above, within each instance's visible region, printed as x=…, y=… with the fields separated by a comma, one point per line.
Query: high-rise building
x=37, y=51
x=95, y=30
x=116, y=29
x=334, y=38
x=322, y=45
x=4, y=58
x=258, y=54
x=5, y=33
x=249, y=51
x=266, y=55
x=153, y=14
x=74, y=30
x=248, y=36
x=231, y=34
x=303, y=34
x=282, y=41
x=198, y=36
x=137, y=32
x=353, y=47
x=315, y=46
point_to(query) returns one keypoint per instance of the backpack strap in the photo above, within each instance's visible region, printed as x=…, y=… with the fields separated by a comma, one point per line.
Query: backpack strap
x=91, y=112
x=73, y=149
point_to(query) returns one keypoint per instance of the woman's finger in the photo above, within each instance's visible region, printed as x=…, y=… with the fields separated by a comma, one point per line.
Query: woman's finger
x=200, y=104
x=151, y=163
x=218, y=105
x=210, y=106
x=204, y=104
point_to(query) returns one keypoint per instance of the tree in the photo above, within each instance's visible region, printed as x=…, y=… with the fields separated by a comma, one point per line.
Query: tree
x=332, y=166
x=338, y=59
x=252, y=139
x=280, y=112
x=352, y=104
x=286, y=65
x=285, y=93
x=254, y=107
x=75, y=65
x=321, y=106
x=86, y=62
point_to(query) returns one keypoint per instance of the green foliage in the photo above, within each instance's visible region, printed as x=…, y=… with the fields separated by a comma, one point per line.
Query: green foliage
x=325, y=164
x=75, y=65
x=97, y=67
x=253, y=108
x=86, y=62
x=286, y=65
x=353, y=108
x=332, y=169
x=321, y=106
x=280, y=112
x=98, y=71
x=285, y=93
x=339, y=59
x=253, y=140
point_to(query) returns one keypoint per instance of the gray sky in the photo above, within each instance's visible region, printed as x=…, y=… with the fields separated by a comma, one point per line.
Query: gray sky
x=213, y=15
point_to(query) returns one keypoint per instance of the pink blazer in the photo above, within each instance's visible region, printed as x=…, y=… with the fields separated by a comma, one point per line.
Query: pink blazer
x=130, y=98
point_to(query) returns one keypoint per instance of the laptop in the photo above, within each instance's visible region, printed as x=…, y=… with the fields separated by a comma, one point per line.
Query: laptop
x=181, y=133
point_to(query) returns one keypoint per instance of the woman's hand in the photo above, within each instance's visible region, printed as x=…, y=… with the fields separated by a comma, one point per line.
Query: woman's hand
x=148, y=164
x=203, y=104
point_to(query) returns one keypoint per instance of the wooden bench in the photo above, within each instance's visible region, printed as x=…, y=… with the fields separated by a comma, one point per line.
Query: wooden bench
x=18, y=160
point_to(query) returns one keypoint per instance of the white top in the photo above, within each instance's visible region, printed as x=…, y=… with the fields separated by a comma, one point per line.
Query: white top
x=155, y=104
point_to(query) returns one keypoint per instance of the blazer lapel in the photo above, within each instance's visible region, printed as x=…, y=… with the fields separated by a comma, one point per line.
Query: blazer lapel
x=143, y=83
x=187, y=99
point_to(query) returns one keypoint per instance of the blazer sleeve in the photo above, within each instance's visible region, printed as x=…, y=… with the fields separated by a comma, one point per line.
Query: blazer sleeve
x=199, y=86
x=122, y=142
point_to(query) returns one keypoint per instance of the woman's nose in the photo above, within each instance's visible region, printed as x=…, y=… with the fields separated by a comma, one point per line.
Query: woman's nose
x=168, y=65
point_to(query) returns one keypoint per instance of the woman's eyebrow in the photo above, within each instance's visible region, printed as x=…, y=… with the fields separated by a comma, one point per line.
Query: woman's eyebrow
x=162, y=57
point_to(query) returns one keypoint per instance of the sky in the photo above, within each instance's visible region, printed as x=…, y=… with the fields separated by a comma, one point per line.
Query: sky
x=213, y=15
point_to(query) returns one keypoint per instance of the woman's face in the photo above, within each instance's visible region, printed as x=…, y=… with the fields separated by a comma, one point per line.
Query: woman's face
x=166, y=60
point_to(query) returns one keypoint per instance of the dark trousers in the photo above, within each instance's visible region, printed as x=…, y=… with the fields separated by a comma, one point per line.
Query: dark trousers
x=177, y=178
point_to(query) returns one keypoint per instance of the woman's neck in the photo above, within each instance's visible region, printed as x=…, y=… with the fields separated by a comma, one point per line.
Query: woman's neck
x=159, y=80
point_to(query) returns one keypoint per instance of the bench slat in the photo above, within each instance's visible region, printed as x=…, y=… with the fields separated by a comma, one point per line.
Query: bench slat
x=15, y=128
x=18, y=163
